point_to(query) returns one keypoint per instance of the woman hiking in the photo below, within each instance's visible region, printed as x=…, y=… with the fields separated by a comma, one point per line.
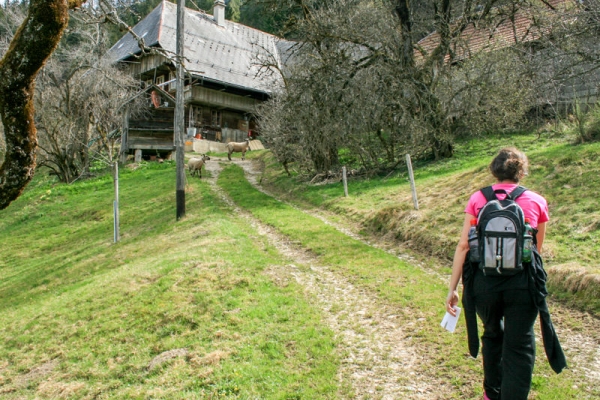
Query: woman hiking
x=504, y=304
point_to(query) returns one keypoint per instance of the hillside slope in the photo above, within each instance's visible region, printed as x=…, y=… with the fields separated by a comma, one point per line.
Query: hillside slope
x=210, y=307
x=567, y=175
x=412, y=291
x=174, y=310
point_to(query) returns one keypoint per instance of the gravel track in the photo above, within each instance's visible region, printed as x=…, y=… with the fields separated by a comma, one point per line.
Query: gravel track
x=379, y=359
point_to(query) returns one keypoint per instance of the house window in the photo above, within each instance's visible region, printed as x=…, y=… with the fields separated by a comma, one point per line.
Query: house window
x=215, y=118
x=173, y=84
x=148, y=82
x=195, y=116
x=159, y=81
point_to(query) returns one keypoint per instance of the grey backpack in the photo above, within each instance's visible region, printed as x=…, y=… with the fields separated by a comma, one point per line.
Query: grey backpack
x=500, y=230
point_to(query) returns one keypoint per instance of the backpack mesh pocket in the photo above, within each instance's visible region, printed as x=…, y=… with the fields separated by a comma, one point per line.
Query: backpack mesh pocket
x=500, y=250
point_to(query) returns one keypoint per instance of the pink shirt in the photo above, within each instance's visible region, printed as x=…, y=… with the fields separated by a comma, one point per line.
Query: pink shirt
x=534, y=206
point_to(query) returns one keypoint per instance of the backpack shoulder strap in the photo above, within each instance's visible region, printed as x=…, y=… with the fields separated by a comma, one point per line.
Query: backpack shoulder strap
x=489, y=193
x=519, y=190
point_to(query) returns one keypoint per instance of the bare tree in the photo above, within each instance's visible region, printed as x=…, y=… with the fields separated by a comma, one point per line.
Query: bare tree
x=80, y=100
x=568, y=80
x=365, y=87
x=32, y=44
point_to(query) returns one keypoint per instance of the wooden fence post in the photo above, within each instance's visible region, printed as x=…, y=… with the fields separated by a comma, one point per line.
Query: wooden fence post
x=412, y=182
x=345, y=179
x=116, y=201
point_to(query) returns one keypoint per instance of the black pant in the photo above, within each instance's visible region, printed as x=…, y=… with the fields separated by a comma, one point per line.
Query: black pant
x=508, y=346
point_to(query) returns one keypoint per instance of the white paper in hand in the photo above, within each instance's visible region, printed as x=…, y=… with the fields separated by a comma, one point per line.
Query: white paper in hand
x=449, y=322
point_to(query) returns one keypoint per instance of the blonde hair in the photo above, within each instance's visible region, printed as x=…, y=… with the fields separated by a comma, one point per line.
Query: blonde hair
x=509, y=165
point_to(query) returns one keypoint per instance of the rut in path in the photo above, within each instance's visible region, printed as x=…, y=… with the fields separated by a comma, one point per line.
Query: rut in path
x=379, y=361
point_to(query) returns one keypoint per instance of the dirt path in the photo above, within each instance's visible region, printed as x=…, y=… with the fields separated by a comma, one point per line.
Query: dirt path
x=379, y=361
x=579, y=332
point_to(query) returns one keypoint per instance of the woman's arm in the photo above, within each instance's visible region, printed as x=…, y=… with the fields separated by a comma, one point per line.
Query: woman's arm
x=541, y=235
x=457, y=265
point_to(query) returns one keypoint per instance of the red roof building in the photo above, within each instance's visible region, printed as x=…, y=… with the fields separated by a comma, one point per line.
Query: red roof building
x=506, y=28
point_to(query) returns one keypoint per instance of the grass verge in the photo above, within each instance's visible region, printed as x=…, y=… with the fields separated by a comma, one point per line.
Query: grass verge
x=175, y=310
x=568, y=175
x=417, y=296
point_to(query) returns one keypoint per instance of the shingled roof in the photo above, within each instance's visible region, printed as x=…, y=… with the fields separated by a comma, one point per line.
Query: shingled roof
x=508, y=31
x=223, y=54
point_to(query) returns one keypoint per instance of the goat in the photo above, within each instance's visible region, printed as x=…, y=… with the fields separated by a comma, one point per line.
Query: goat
x=195, y=164
x=238, y=147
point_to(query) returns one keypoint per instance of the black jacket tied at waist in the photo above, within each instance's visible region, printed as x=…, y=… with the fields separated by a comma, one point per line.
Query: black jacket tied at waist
x=537, y=288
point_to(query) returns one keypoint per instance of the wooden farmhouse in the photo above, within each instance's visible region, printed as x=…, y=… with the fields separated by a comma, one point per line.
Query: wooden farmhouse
x=226, y=77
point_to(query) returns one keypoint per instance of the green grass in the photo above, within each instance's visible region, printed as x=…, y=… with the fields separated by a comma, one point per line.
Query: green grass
x=334, y=248
x=416, y=295
x=83, y=317
x=568, y=175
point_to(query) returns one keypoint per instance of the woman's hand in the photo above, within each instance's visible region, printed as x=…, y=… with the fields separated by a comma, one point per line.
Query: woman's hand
x=451, y=301
x=462, y=248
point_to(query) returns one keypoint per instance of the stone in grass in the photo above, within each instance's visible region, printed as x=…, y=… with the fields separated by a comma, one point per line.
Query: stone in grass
x=41, y=371
x=165, y=356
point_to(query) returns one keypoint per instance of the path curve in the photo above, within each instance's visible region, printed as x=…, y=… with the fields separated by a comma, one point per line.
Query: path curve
x=578, y=331
x=379, y=360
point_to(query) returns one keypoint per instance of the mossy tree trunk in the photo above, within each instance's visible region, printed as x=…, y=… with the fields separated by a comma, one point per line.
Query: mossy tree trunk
x=31, y=46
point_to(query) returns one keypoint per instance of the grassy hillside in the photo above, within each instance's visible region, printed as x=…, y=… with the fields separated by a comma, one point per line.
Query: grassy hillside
x=416, y=297
x=568, y=175
x=174, y=310
x=191, y=309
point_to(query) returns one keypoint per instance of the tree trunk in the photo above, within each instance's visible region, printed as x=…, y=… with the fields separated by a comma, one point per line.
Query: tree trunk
x=442, y=149
x=388, y=147
x=31, y=46
x=407, y=52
